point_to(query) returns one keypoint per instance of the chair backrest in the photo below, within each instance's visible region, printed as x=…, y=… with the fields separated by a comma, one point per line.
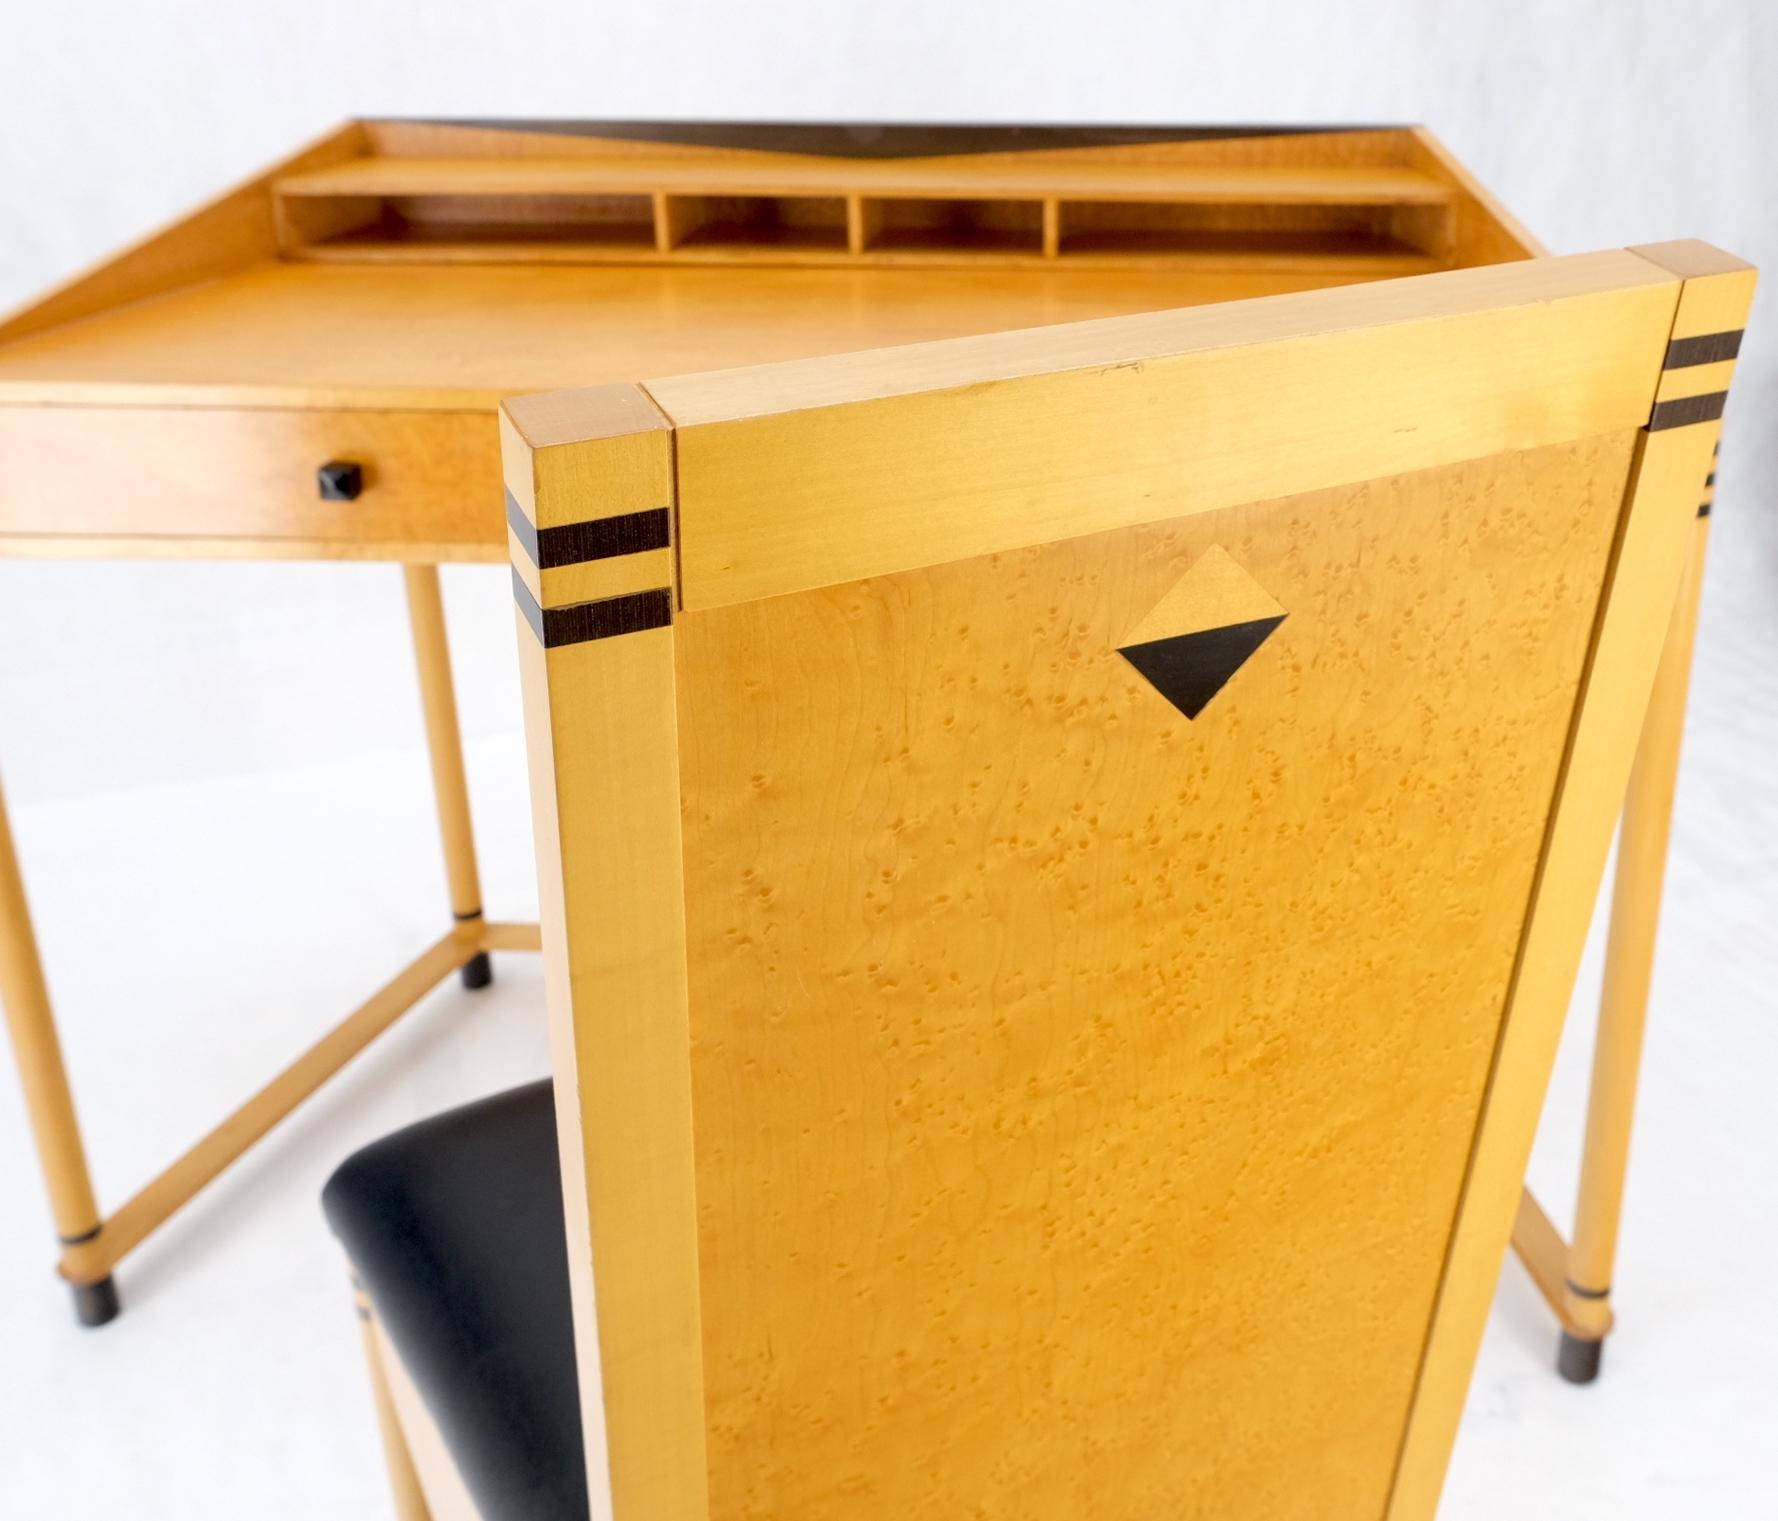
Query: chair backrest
x=1064, y=856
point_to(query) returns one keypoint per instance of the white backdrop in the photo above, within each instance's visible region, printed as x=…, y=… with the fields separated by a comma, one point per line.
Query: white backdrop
x=214, y=770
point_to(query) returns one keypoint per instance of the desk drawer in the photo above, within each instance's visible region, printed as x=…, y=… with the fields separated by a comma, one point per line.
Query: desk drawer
x=247, y=478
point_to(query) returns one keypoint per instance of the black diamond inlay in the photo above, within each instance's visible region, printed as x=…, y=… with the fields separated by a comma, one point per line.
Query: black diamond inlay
x=1189, y=669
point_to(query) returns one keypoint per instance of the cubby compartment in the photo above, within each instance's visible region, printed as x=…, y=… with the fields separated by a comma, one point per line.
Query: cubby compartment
x=1248, y=231
x=790, y=223
x=943, y=226
x=467, y=226
x=1347, y=219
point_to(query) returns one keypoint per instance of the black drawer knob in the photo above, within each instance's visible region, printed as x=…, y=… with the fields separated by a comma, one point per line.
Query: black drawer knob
x=340, y=480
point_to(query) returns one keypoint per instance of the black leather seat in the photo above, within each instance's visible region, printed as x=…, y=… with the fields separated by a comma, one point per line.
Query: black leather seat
x=455, y=1228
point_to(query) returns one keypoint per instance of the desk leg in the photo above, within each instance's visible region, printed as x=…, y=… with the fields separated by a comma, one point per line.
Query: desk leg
x=1623, y=1011
x=438, y=699
x=31, y=1024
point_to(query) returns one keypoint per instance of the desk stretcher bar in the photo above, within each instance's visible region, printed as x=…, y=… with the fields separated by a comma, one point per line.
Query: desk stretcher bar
x=91, y=1257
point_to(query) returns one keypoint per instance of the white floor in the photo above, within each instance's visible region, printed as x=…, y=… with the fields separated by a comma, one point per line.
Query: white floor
x=197, y=936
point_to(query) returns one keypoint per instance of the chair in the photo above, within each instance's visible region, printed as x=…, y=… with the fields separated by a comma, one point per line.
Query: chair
x=1064, y=855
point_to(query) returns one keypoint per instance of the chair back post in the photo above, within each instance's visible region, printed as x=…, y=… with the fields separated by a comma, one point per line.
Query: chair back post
x=589, y=491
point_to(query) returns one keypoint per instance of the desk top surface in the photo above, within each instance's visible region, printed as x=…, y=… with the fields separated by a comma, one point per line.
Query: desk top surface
x=451, y=336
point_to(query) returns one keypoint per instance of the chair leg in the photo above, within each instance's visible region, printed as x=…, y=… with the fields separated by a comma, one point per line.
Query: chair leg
x=1623, y=1013
x=444, y=740
x=404, y=1480
x=49, y=1103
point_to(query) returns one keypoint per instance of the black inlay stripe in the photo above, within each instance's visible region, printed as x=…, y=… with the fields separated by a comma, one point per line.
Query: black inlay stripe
x=474, y=913
x=1686, y=410
x=884, y=139
x=628, y=533
x=1704, y=509
x=1708, y=348
x=581, y=621
x=1580, y=1293
x=83, y=1238
x=1710, y=479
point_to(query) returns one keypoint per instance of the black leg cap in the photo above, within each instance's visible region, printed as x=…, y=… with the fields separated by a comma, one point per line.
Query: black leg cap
x=1578, y=1360
x=96, y=1303
x=478, y=971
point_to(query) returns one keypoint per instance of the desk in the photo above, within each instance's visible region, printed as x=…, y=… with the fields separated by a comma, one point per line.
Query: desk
x=309, y=368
